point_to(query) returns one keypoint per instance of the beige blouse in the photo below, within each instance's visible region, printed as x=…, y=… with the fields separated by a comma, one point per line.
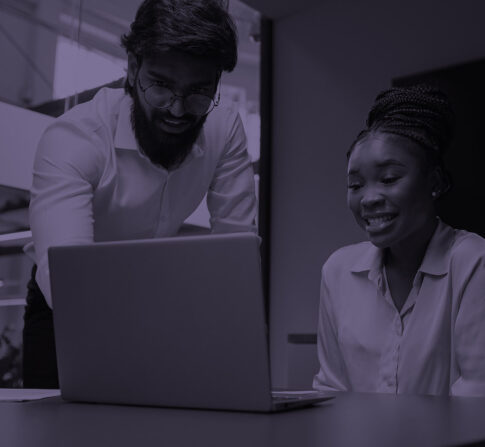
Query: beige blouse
x=434, y=345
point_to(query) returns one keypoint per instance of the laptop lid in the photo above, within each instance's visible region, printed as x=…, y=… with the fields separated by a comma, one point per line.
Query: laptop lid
x=166, y=322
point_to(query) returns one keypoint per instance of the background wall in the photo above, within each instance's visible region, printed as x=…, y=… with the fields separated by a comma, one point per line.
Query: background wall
x=330, y=61
x=17, y=146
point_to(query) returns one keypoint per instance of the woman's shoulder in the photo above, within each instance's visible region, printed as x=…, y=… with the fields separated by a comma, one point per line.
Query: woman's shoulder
x=345, y=257
x=467, y=240
x=467, y=247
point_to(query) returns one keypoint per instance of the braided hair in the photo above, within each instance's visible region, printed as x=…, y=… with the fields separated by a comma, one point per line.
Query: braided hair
x=421, y=113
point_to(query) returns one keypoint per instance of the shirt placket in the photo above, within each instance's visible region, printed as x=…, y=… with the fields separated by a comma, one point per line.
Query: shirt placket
x=163, y=217
x=390, y=362
x=390, y=355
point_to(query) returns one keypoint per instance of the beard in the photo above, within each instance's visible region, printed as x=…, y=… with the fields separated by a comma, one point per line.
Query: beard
x=162, y=148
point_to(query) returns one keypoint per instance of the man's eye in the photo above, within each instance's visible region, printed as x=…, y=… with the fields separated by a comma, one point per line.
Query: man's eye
x=390, y=179
x=161, y=84
x=200, y=91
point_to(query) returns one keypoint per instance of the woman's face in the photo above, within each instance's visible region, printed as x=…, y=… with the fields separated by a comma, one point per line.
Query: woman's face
x=389, y=189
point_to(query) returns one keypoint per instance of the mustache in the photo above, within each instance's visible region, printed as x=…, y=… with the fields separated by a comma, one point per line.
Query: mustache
x=161, y=115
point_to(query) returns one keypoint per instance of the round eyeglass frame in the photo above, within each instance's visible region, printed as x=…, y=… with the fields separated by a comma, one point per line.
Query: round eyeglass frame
x=213, y=102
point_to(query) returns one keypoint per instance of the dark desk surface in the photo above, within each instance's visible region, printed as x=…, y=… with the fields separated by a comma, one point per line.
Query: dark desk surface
x=349, y=420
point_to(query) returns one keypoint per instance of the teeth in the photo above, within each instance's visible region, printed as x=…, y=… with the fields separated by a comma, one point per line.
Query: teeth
x=379, y=219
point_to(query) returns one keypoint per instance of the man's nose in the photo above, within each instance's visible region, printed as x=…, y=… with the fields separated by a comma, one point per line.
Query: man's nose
x=177, y=108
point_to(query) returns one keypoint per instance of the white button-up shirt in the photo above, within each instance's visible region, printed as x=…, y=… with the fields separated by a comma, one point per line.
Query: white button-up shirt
x=434, y=345
x=91, y=182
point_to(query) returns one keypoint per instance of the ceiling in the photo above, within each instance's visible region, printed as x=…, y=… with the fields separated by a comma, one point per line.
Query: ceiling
x=278, y=9
x=272, y=9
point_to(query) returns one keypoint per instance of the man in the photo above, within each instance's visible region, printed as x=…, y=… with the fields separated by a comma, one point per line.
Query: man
x=136, y=163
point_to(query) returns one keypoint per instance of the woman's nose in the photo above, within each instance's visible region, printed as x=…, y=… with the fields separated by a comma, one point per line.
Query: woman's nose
x=371, y=199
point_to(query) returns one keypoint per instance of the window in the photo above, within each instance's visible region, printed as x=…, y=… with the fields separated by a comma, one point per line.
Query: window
x=78, y=68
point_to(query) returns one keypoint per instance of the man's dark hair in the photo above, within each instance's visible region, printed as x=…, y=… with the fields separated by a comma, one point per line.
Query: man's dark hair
x=198, y=27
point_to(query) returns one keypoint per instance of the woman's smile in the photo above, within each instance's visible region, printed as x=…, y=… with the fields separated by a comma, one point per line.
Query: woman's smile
x=389, y=189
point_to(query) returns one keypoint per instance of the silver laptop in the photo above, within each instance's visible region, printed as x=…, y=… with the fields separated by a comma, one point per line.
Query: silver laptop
x=176, y=322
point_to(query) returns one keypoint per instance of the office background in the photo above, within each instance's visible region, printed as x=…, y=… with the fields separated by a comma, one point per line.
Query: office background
x=58, y=53
x=329, y=59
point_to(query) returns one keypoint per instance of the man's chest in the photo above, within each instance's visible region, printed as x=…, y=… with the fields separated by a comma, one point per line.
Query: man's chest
x=137, y=199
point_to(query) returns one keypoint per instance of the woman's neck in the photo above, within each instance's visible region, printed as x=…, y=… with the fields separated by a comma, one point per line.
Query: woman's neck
x=407, y=255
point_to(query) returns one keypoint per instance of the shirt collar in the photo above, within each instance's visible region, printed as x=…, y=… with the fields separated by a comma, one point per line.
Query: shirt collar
x=435, y=261
x=437, y=256
x=125, y=136
x=370, y=261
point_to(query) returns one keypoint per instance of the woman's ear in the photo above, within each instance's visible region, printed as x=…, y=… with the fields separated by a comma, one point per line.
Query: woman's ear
x=440, y=182
x=132, y=69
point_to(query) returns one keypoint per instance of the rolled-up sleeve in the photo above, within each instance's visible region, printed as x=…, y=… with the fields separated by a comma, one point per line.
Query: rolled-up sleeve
x=469, y=331
x=332, y=375
x=66, y=168
x=231, y=198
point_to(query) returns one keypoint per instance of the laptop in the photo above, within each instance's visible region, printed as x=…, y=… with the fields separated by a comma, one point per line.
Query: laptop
x=172, y=322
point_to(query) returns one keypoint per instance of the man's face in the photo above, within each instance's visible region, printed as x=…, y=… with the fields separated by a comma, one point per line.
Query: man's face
x=389, y=189
x=166, y=135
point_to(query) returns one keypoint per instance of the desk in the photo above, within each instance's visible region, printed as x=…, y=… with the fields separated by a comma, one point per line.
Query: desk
x=349, y=420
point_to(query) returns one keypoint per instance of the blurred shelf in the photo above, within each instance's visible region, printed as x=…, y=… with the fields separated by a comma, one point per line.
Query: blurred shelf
x=17, y=239
x=12, y=302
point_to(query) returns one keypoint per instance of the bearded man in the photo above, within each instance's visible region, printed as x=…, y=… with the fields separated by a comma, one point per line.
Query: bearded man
x=134, y=163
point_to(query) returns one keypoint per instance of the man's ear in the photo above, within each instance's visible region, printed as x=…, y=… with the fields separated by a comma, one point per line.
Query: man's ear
x=132, y=69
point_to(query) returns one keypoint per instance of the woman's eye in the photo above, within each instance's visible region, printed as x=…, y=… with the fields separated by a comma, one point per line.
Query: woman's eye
x=354, y=186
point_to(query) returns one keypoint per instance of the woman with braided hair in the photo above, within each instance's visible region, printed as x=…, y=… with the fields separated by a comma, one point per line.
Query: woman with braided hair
x=404, y=312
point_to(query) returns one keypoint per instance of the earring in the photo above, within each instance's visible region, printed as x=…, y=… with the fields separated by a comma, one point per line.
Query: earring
x=434, y=194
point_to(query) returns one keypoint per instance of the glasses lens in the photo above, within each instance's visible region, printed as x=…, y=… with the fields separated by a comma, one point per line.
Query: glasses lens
x=197, y=104
x=162, y=97
x=159, y=96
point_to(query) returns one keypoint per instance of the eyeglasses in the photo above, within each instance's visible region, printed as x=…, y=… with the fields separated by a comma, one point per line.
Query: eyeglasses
x=162, y=97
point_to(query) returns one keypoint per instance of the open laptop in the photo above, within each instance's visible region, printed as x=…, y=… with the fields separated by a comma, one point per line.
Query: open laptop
x=176, y=322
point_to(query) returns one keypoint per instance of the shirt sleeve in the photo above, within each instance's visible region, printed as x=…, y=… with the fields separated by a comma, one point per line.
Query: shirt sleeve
x=231, y=198
x=332, y=375
x=469, y=331
x=66, y=167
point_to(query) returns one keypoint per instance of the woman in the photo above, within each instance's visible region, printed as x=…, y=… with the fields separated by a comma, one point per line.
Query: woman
x=404, y=312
